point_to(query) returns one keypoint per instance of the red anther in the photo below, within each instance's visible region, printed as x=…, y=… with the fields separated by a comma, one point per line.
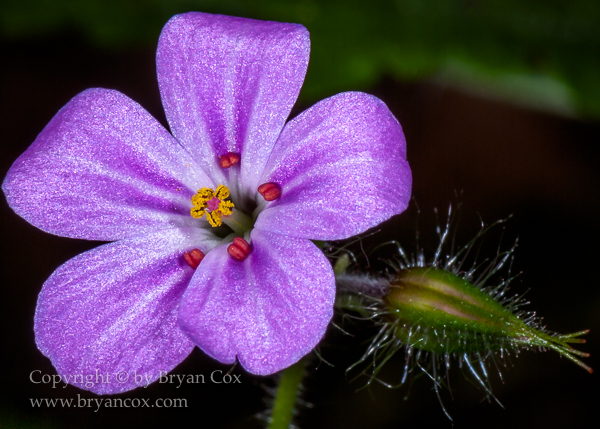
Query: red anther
x=229, y=160
x=239, y=249
x=193, y=258
x=270, y=191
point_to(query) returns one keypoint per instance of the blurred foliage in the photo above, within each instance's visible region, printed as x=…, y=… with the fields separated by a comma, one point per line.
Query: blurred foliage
x=541, y=53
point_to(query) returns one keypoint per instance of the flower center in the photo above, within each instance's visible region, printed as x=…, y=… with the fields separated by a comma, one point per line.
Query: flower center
x=218, y=211
x=212, y=204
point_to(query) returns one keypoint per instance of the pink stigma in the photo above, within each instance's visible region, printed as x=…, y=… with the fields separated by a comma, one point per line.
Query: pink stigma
x=213, y=204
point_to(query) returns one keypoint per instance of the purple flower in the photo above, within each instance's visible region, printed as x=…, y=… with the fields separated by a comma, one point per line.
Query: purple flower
x=255, y=289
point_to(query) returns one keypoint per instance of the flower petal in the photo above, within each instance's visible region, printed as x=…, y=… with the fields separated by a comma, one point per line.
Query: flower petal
x=107, y=319
x=103, y=169
x=341, y=167
x=269, y=310
x=228, y=85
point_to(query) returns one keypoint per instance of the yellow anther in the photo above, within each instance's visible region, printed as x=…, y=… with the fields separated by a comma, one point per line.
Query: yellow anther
x=225, y=207
x=222, y=192
x=204, y=203
x=202, y=196
x=197, y=212
x=214, y=218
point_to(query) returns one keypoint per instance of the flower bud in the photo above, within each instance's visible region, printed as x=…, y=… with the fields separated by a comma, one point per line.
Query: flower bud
x=444, y=310
x=437, y=311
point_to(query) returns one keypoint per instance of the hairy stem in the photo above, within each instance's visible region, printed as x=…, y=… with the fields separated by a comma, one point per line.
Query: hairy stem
x=287, y=395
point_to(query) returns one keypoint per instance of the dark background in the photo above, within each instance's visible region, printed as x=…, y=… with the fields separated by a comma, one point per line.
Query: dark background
x=500, y=102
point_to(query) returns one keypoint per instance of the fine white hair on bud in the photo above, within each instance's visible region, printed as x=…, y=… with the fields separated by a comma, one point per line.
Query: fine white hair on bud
x=448, y=309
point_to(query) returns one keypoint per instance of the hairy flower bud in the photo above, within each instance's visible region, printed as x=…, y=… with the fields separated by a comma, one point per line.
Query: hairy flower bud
x=444, y=310
x=437, y=311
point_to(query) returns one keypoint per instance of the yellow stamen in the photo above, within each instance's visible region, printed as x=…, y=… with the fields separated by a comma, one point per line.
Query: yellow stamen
x=222, y=192
x=214, y=218
x=225, y=207
x=200, y=204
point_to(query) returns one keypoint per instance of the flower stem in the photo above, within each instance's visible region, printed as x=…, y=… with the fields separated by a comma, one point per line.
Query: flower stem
x=287, y=395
